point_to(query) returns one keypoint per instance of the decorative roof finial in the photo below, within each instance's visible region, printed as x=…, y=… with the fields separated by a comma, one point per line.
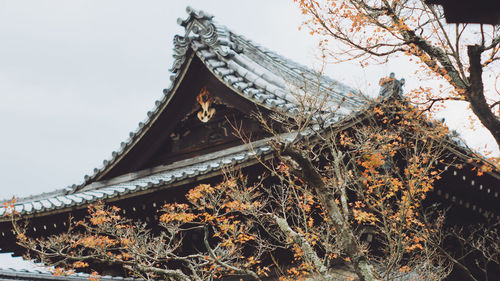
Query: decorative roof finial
x=390, y=86
x=193, y=14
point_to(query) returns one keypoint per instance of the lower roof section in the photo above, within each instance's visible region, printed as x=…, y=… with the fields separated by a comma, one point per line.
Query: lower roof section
x=44, y=275
x=145, y=181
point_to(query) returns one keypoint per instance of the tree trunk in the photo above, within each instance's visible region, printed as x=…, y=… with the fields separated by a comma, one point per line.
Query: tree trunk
x=475, y=93
x=305, y=171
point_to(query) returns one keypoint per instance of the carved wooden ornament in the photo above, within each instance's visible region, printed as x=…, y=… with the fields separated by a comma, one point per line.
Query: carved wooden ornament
x=205, y=100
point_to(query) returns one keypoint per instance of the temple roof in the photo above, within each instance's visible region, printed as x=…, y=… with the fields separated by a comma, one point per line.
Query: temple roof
x=249, y=70
x=253, y=72
x=44, y=275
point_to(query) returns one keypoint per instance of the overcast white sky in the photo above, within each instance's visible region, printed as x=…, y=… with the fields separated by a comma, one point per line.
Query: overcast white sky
x=77, y=76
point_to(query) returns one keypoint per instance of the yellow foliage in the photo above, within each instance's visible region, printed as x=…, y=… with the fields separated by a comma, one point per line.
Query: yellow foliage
x=80, y=264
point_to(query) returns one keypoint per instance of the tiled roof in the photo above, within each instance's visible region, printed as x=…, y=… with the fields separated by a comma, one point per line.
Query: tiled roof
x=43, y=275
x=140, y=181
x=252, y=71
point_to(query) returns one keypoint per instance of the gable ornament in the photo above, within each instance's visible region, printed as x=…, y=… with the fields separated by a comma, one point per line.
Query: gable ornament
x=205, y=100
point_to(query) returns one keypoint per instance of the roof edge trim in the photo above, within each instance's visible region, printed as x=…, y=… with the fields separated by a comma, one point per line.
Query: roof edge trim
x=169, y=94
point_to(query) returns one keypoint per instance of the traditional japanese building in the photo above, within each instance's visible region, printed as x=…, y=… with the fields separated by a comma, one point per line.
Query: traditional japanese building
x=219, y=79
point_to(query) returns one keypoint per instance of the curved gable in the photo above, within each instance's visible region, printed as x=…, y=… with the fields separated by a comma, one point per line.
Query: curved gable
x=252, y=75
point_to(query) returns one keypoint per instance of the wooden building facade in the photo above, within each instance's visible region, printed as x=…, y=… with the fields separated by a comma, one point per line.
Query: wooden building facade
x=219, y=79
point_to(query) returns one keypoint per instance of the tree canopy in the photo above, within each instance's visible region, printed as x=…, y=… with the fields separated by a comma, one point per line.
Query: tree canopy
x=457, y=55
x=339, y=202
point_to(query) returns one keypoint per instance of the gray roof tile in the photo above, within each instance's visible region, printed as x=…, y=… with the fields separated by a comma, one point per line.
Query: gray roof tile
x=46, y=203
x=19, y=208
x=55, y=202
x=74, y=198
x=27, y=207
x=37, y=206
